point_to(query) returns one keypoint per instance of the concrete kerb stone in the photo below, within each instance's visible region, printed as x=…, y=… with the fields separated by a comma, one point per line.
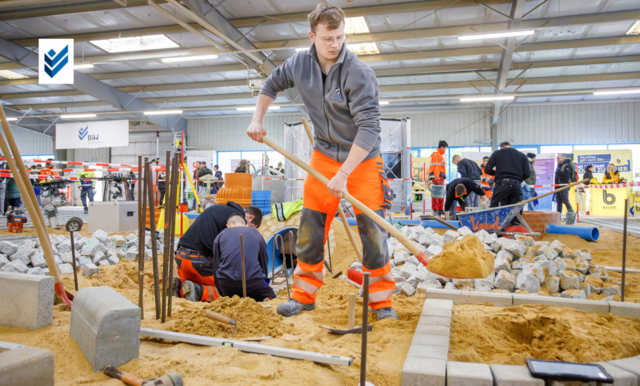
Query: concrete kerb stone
x=620, y=376
x=435, y=320
x=465, y=297
x=624, y=309
x=431, y=329
x=106, y=327
x=578, y=304
x=27, y=300
x=509, y=375
x=424, y=372
x=468, y=374
x=430, y=339
x=25, y=365
x=631, y=365
x=428, y=351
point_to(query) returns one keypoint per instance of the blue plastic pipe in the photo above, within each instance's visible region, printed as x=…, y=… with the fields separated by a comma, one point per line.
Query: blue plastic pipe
x=426, y=223
x=587, y=233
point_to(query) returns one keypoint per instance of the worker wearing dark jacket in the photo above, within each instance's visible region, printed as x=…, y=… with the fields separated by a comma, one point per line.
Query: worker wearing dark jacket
x=458, y=192
x=194, y=256
x=227, y=263
x=563, y=176
x=469, y=169
x=510, y=167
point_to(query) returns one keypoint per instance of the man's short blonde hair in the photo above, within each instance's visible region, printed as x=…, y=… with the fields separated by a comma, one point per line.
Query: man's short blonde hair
x=327, y=14
x=236, y=220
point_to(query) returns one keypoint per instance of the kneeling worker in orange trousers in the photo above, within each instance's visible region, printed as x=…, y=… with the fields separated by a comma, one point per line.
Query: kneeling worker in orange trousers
x=342, y=97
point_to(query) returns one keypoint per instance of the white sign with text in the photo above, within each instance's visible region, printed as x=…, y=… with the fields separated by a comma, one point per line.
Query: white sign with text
x=91, y=135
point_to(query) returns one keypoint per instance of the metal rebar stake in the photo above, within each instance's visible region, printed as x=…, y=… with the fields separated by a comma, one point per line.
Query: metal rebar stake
x=624, y=248
x=365, y=324
x=165, y=253
x=172, y=236
x=244, y=276
x=73, y=260
x=142, y=189
x=154, y=247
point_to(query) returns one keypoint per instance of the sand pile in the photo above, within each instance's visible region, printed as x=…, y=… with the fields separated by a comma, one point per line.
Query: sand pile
x=253, y=319
x=509, y=335
x=466, y=259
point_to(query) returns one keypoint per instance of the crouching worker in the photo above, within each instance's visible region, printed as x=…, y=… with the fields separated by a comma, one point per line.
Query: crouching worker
x=194, y=256
x=457, y=192
x=227, y=261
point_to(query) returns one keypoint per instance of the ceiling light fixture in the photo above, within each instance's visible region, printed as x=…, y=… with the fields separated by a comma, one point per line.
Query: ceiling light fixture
x=252, y=108
x=162, y=112
x=384, y=102
x=635, y=29
x=619, y=92
x=73, y=116
x=189, y=58
x=488, y=98
x=364, y=48
x=496, y=35
x=355, y=25
x=12, y=119
x=82, y=66
x=11, y=74
x=136, y=43
x=302, y=49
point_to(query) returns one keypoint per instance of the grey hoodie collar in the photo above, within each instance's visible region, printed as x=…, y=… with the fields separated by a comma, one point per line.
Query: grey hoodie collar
x=314, y=54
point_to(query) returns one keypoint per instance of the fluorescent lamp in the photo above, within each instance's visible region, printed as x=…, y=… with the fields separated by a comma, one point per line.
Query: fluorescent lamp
x=635, y=29
x=189, y=58
x=364, y=48
x=72, y=116
x=162, y=112
x=384, y=102
x=302, y=49
x=355, y=25
x=11, y=74
x=136, y=43
x=12, y=119
x=613, y=92
x=82, y=66
x=496, y=35
x=251, y=108
x=488, y=98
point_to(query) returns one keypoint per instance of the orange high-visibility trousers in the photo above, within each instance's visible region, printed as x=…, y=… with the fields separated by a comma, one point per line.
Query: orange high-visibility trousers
x=368, y=184
x=196, y=268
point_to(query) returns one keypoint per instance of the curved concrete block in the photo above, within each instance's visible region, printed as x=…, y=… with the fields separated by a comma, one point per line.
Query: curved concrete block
x=106, y=327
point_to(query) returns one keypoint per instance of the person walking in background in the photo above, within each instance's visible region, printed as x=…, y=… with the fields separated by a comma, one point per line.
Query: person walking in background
x=203, y=171
x=437, y=174
x=161, y=187
x=470, y=170
x=218, y=175
x=34, y=173
x=243, y=166
x=585, y=192
x=563, y=176
x=527, y=191
x=12, y=195
x=86, y=185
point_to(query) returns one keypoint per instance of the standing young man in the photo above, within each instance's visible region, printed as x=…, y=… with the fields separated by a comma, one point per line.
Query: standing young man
x=437, y=175
x=341, y=95
x=86, y=186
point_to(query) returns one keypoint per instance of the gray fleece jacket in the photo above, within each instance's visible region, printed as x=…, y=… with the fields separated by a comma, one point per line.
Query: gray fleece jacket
x=345, y=112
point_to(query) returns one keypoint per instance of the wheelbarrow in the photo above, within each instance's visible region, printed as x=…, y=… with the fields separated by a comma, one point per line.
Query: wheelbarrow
x=495, y=220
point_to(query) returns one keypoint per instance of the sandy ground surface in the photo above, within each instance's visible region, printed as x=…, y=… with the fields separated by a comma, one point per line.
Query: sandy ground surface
x=509, y=335
x=388, y=342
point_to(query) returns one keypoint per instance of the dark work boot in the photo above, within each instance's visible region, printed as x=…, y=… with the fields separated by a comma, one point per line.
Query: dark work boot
x=293, y=308
x=386, y=313
x=176, y=287
x=192, y=291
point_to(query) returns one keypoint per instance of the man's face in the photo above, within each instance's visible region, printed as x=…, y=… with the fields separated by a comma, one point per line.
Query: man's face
x=484, y=162
x=335, y=39
x=560, y=158
x=455, y=161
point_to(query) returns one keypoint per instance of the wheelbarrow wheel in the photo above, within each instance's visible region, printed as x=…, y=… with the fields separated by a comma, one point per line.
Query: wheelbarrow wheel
x=515, y=228
x=74, y=224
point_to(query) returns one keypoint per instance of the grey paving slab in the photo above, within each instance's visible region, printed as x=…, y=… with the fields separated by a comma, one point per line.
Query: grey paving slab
x=468, y=374
x=509, y=375
x=620, y=376
x=424, y=372
x=432, y=329
x=632, y=365
x=435, y=320
x=428, y=351
x=27, y=300
x=430, y=339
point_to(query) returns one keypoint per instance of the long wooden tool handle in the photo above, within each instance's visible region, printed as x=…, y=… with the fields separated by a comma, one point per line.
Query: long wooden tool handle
x=340, y=211
x=220, y=318
x=555, y=191
x=363, y=208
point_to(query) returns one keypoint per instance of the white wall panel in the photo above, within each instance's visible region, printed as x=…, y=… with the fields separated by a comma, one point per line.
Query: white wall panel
x=81, y=155
x=571, y=123
x=230, y=133
x=30, y=143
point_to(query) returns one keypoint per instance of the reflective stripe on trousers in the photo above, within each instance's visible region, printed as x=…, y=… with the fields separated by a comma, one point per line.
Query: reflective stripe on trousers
x=366, y=184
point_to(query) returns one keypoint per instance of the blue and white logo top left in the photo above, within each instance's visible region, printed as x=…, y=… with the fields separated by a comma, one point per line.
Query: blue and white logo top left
x=56, y=61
